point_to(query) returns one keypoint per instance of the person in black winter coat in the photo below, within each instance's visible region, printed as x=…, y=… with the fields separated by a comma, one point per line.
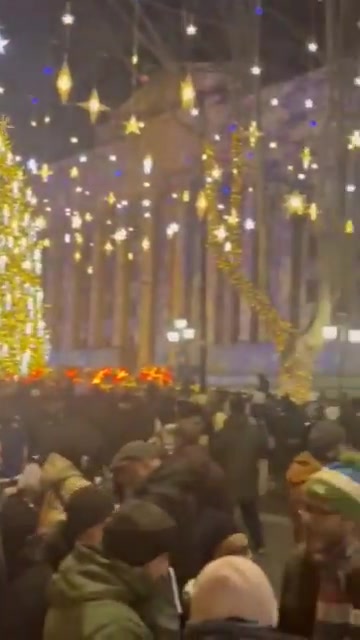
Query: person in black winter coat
x=238, y=449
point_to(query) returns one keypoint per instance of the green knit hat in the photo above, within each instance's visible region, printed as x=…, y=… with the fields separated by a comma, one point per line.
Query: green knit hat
x=338, y=486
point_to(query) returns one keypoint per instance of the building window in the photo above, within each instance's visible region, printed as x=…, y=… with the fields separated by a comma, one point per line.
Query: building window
x=312, y=288
x=313, y=247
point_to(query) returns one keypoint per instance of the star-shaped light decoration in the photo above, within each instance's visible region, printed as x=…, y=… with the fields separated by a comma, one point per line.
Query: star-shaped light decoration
x=187, y=93
x=88, y=217
x=306, y=157
x=64, y=82
x=216, y=172
x=94, y=106
x=45, y=172
x=253, y=133
x=74, y=173
x=191, y=29
x=295, y=203
x=3, y=44
x=111, y=198
x=354, y=140
x=133, y=125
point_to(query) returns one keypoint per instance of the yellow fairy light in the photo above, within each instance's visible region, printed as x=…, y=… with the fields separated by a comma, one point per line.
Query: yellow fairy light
x=186, y=196
x=77, y=256
x=111, y=198
x=78, y=238
x=120, y=235
x=313, y=211
x=130, y=256
x=354, y=140
x=148, y=165
x=220, y=233
x=133, y=125
x=64, y=82
x=201, y=204
x=349, y=227
x=108, y=248
x=88, y=217
x=233, y=218
x=74, y=172
x=46, y=243
x=295, y=203
x=254, y=133
x=45, y=172
x=90, y=270
x=306, y=157
x=145, y=244
x=216, y=172
x=187, y=93
x=93, y=106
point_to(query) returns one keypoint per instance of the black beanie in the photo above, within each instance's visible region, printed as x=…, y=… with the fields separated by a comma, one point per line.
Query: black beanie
x=138, y=533
x=87, y=508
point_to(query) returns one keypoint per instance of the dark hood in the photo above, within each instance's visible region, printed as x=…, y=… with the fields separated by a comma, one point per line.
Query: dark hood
x=231, y=630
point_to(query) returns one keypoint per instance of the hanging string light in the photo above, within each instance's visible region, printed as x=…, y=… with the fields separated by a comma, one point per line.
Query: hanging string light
x=134, y=125
x=64, y=82
x=187, y=93
x=93, y=106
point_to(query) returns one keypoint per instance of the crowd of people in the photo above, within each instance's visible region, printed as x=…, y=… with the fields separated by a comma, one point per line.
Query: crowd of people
x=135, y=515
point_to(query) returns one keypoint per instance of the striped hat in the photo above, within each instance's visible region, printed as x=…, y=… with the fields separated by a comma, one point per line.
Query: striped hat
x=338, y=486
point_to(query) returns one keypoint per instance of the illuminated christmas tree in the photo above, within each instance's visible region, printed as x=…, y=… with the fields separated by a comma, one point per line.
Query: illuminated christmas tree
x=23, y=336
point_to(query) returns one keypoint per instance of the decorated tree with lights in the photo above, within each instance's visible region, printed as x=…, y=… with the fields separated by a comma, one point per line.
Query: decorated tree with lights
x=23, y=337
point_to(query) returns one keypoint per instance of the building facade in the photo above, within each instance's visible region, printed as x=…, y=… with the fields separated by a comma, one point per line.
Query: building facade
x=125, y=240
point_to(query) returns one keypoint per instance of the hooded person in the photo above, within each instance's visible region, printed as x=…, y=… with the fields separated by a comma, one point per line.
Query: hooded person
x=321, y=586
x=25, y=602
x=112, y=594
x=232, y=598
x=63, y=472
x=132, y=465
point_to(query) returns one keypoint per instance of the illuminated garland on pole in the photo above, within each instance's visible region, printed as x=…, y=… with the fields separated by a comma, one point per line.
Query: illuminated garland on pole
x=278, y=329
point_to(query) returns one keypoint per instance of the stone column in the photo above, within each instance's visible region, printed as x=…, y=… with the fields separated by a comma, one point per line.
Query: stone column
x=147, y=289
x=121, y=308
x=72, y=301
x=95, y=337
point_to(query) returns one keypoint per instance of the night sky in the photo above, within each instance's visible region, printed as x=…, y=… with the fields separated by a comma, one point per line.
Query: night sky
x=100, y=48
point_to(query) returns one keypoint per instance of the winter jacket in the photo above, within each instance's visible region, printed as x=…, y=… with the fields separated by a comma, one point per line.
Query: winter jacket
x=92, y=598
x=237, y=448
x=60, y=479
x=301, y=588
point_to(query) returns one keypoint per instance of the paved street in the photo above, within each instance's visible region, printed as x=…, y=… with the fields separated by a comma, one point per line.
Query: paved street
x=278, y=536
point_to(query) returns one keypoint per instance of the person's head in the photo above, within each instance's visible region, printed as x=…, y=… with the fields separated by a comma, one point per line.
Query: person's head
x=236, y=544
x=233, y=587
x=331, y=512
x=188, y=431
x=141, y=535
x=133, y=464
x=238, y=404
x=326, y=440
x=87, y=513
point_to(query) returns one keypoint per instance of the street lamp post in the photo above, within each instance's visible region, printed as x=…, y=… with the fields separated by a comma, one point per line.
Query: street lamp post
x=181, y=334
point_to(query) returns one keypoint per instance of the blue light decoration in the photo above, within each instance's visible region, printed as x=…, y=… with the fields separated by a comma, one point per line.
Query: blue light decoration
x=48, y=71
x=259, y=11
x=226, y=190
x=118, y=173
x=232, y=127
x=34, y=100
x=250, y=155
x=313, y=123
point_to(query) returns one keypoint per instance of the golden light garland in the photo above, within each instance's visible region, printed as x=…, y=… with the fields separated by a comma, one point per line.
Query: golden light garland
x=279, y=330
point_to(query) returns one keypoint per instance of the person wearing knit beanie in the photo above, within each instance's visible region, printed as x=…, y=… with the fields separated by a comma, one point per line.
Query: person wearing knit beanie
x=232, y=589
x=140, y=534
x=337, y=487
